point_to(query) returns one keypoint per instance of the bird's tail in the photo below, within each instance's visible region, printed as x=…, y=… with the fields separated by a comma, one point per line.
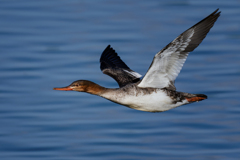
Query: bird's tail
x=196, y=98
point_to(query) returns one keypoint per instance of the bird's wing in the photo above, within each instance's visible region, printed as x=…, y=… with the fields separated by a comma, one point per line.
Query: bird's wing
x=167, y=63
x=112, y=65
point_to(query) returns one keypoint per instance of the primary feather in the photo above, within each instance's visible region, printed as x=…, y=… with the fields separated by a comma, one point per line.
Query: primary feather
x=112, y=65
x=167, y=63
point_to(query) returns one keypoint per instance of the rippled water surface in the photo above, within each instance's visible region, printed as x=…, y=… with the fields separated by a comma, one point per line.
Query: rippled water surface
x=46, y=44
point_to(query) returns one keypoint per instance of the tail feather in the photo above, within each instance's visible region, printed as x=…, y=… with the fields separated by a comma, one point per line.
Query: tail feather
x=196, y=98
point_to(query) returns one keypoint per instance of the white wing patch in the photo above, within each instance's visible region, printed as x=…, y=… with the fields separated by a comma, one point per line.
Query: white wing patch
x=168, y=63
x=135, y=74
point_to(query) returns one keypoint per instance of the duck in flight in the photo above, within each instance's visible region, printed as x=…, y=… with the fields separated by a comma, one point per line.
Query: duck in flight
x=156, y=91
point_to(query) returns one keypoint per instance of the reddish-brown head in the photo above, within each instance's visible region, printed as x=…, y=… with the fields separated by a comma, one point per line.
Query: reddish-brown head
x=82, y=86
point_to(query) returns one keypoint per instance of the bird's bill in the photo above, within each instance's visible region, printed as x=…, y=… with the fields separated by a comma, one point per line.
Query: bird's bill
x=68, y=88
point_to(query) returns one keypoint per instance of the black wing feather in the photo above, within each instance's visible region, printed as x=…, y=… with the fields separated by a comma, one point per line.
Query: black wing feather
x=112, y=65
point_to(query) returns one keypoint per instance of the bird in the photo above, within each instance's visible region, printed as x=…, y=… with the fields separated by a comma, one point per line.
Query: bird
x=156, y=91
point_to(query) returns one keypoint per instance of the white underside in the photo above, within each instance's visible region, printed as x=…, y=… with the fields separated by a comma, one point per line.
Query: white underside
x=154, y=102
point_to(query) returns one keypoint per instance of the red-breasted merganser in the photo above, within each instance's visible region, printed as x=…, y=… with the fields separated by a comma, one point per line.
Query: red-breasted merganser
x=156, y=91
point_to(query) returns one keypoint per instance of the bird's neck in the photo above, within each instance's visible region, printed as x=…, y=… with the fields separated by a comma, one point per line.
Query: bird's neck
x=93, y=88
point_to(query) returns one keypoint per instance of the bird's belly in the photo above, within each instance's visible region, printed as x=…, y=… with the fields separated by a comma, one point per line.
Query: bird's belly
x=154, y=102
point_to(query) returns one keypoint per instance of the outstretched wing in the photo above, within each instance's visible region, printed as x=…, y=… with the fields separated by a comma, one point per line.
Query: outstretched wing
x=112, y=65
x=167, y=63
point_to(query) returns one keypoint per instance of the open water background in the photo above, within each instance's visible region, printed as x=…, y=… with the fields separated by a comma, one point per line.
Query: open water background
x=46, y=44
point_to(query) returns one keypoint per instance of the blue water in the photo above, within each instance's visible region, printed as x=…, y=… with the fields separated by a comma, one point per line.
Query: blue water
x=46, y=44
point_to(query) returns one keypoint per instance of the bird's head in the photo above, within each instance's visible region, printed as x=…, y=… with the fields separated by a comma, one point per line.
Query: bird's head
x=82, y=86
x=79, y=85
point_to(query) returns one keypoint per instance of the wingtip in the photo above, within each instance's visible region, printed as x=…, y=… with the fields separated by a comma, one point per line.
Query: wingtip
x=107, y=48
x=111, y=58
x=216, y=12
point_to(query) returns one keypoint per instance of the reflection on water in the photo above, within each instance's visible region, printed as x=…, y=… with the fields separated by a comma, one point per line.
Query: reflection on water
x=47, y=44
